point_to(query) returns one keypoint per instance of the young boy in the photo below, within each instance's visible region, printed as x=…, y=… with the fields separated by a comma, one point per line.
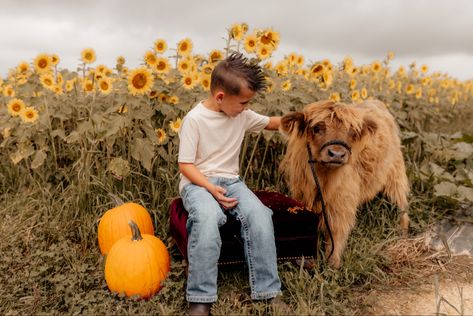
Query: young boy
x=210, y=141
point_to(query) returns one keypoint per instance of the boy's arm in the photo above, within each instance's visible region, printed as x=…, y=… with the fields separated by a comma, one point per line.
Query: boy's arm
x=274, y=123
x=190, y=171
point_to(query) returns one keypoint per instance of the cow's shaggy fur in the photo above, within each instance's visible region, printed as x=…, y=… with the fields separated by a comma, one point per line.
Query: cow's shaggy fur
x=347, y=178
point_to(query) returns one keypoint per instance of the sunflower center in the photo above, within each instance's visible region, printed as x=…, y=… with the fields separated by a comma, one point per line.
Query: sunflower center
x=88, y=56
x=161, y=65
x=184, y=46
x=139, y=81
x=42, y=63
x=160, y=46
x=16, y=107
x=104, y=85
x=188, y=81
x=29, y=114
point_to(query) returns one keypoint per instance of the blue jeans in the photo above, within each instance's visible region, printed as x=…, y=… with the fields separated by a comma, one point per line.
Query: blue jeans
x=203, y=248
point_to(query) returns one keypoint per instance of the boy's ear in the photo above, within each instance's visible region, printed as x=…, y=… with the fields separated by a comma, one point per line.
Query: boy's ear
x=293, y=122
x=219, y=96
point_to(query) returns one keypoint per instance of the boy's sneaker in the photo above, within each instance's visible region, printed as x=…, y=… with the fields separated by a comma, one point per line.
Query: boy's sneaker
x=199, y=309
x=279, y=306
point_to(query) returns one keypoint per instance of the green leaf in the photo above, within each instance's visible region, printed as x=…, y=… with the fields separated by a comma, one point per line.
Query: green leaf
x=143, y=150
x=445, y=189
x=38, y=159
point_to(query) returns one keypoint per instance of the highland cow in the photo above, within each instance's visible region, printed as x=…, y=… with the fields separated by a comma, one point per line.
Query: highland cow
x=355, y=151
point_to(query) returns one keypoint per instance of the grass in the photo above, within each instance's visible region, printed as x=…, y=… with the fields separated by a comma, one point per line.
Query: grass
x=51, y=262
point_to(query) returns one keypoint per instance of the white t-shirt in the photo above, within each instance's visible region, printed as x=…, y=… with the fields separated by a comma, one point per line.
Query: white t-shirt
x=212, y=140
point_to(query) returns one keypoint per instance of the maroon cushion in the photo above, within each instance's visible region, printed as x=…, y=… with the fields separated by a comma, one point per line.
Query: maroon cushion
x=295, y=229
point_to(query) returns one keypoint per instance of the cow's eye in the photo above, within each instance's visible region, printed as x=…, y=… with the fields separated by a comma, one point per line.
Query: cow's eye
x=318, y=128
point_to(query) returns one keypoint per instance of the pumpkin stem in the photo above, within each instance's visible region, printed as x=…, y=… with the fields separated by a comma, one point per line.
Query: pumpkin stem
x=135, y=231
x=116, y=199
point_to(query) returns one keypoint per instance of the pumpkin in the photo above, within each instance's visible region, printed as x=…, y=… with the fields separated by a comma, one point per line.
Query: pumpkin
x=137, y=264
x=114, y=224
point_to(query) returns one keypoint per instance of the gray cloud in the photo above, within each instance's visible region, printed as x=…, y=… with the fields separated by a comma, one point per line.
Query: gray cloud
x=435, y=32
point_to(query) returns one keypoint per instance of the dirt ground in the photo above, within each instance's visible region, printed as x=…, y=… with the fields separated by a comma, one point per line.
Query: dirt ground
x=424, y=300
x=448, y=291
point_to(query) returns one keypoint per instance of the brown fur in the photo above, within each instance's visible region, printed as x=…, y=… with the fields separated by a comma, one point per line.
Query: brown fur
x=347, y=180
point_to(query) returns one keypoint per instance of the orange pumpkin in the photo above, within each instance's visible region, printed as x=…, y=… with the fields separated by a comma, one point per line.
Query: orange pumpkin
x=114, y=224
x=137, y=264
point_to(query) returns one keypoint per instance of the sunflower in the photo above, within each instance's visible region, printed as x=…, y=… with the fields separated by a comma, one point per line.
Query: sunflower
x=215, y=55
x=317, y=70
x=160, y=135
x=419, y=93
x=29, y=115
x=16, y=106
x=250, y=43
x=391, y=84
x=184, y=65
x=364, y=93
x=424, y=69
x=23, y=67
x=281, y=68
x=184, y=47
x=47, y=80
x=88, y=56
x=263, y=52
x=88, y=85
x=300, y=60
x=174, y=99
x=410, y=89
x=69, y=85
x=335, y=97
x=206, y=69
x=355, y=95
x=140, y=81
x=8, y=91
x=58, y=90
x=292, y=59
x=269, y=84
x=236, y=32
x=376, y=66
x=162, y=65
x=160, y=46
x=55, y=59
x=42, y=63
x=189, y=81
x=352, y=84
x=268, y=65
x=121, y=60
x=390, y=55
x=150, y=58
x=401, y=71
x=163, y=97
x=105, y=85
x=205, y=82
x=286, y=85
x=269, y=38
x=175, y=125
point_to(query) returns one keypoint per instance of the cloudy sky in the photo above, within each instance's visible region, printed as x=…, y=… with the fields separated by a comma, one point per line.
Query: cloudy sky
x=438, y=33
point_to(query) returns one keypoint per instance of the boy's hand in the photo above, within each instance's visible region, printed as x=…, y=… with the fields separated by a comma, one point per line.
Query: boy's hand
x=219, y=194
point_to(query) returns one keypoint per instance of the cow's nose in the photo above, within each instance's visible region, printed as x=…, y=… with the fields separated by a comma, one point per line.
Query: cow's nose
x=336, y=154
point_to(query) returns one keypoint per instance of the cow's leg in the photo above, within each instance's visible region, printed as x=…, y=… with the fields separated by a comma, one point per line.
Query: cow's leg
x=397, y=190
x=341, y=223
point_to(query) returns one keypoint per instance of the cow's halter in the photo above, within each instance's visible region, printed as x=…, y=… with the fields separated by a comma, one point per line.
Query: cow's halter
x=312, y=163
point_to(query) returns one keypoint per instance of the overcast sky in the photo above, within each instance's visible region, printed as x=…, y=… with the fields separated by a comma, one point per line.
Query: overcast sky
x=438, y=33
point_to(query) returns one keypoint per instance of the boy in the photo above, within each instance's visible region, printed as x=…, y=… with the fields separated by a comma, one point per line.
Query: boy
x=210, y=141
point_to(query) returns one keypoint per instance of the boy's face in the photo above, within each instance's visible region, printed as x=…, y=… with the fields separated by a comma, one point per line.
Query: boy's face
x=232, y=105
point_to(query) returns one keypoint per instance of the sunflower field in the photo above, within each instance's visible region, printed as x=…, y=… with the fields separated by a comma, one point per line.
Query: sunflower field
x=70, y=138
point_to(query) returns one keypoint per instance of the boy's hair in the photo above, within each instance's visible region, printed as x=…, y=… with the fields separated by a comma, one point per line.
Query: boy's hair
x=230, y=73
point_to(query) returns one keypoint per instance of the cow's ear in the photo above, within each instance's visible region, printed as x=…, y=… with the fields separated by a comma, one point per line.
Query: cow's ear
x=293, y=122
x=368, y=127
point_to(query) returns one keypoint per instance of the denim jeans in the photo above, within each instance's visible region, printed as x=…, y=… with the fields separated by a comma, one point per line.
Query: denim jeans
x=205, y=217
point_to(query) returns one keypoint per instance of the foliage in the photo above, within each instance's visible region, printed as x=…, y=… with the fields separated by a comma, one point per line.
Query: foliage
x=69, y=138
